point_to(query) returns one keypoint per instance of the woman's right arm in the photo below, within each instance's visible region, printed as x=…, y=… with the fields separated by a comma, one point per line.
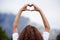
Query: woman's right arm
x=45, y=21
x=46, y=24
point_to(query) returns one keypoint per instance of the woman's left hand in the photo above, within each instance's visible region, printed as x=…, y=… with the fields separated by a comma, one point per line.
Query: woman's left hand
x=24, y=7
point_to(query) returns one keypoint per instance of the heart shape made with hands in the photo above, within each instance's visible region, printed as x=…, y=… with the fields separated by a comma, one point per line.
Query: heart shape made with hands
x=30, y=8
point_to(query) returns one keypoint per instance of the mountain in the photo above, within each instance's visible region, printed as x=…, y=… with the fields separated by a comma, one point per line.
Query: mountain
x=6, y=21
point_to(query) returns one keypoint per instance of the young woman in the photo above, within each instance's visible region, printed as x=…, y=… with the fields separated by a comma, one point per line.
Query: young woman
x=30, y=32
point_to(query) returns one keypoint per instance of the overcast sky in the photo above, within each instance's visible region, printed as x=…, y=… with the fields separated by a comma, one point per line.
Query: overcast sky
x=51, y=9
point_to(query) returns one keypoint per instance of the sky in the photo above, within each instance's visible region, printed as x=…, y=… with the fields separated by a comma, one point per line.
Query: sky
x=51, y=9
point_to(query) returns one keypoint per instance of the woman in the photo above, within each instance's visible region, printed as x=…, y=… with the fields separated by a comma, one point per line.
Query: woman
x=30, y=32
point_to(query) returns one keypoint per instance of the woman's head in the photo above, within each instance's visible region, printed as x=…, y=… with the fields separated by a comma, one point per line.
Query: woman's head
x=30, y=33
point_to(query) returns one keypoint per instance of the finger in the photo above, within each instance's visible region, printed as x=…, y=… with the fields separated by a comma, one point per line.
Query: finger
x=34, y=5
x=25, y=5
x=30, y=5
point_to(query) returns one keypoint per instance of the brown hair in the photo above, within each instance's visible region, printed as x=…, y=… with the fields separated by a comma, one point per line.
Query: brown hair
x=30, y=33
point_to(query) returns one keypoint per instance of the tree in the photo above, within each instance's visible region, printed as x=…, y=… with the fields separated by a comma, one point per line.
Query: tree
x=58, y=37
x=3, y=35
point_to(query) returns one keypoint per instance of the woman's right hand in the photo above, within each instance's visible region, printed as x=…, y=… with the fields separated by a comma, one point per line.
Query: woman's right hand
x=36, y=8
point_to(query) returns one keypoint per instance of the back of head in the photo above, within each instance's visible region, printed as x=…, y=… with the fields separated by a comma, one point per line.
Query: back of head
x=30, y=33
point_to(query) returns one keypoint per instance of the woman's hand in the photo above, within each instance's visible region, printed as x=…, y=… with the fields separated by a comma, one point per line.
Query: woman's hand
x=24, y=7
x=35, y=7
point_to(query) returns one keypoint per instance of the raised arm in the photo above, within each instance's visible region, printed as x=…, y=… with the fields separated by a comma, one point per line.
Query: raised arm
x=15, y=24
x=46, y=24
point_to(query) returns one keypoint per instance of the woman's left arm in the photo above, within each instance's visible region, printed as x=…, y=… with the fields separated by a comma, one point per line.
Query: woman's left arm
x=15, y=24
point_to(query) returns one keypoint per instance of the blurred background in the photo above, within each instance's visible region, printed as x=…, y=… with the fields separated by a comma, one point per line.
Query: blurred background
x=9, y=9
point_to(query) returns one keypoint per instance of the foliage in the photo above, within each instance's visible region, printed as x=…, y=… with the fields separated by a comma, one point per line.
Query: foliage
x=3, y=35
x=58, y=37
